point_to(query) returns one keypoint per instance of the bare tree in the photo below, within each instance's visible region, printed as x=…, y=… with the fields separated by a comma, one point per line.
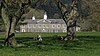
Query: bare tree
x=11, y=12
x=69, y=16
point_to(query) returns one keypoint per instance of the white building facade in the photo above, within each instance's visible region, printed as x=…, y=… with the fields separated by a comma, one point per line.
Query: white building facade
x=44, y=25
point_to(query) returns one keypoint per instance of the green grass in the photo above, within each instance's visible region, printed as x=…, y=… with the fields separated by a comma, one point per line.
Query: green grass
x=87, y=45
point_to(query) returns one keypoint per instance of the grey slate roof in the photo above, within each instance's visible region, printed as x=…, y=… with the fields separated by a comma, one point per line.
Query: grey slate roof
x=51, y=21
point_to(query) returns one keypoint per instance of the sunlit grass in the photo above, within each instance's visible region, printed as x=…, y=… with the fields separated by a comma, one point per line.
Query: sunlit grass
x=87, y=45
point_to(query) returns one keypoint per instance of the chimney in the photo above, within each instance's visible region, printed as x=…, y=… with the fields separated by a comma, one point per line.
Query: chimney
x=33, y=18
x=45, y=16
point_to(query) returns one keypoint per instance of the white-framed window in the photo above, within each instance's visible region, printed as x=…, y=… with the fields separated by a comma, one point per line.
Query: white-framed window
x=53, y=25
x=34, y=25
x=29, y=25
x=44, y=26
x=39, y=26
x=77, y=29
x=58, y=26
x=23, y=30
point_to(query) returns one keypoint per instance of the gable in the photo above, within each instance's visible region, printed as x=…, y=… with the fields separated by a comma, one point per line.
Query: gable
x=43, y=21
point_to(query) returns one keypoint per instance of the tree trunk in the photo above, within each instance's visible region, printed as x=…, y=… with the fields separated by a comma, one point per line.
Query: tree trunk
x=10, y=23
x=71, y=29
x=69, y=16
x=10, y=40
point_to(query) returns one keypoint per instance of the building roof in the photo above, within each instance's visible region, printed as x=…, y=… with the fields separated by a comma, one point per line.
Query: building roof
x=43, y=21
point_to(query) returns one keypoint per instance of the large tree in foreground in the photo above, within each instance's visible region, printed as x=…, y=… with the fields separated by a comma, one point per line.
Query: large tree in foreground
x=70, y=14
x=11, y=12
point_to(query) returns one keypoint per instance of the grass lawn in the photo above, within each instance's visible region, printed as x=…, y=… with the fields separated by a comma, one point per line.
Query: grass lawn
x=87, y=45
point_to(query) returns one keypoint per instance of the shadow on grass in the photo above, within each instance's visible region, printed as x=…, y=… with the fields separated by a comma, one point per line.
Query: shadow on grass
x=54, y=43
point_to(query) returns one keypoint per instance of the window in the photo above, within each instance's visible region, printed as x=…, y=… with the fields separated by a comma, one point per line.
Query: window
x=39, y=26
x=58, y=26
x=53, y=26
x=29, y=25
x=34, y=26
x=44, y=26
x=23, y=30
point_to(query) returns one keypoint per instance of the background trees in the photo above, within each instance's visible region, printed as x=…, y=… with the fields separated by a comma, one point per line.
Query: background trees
x=92, y=16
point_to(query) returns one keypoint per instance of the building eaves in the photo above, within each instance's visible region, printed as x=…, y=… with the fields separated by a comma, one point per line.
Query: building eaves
x=52, y=21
